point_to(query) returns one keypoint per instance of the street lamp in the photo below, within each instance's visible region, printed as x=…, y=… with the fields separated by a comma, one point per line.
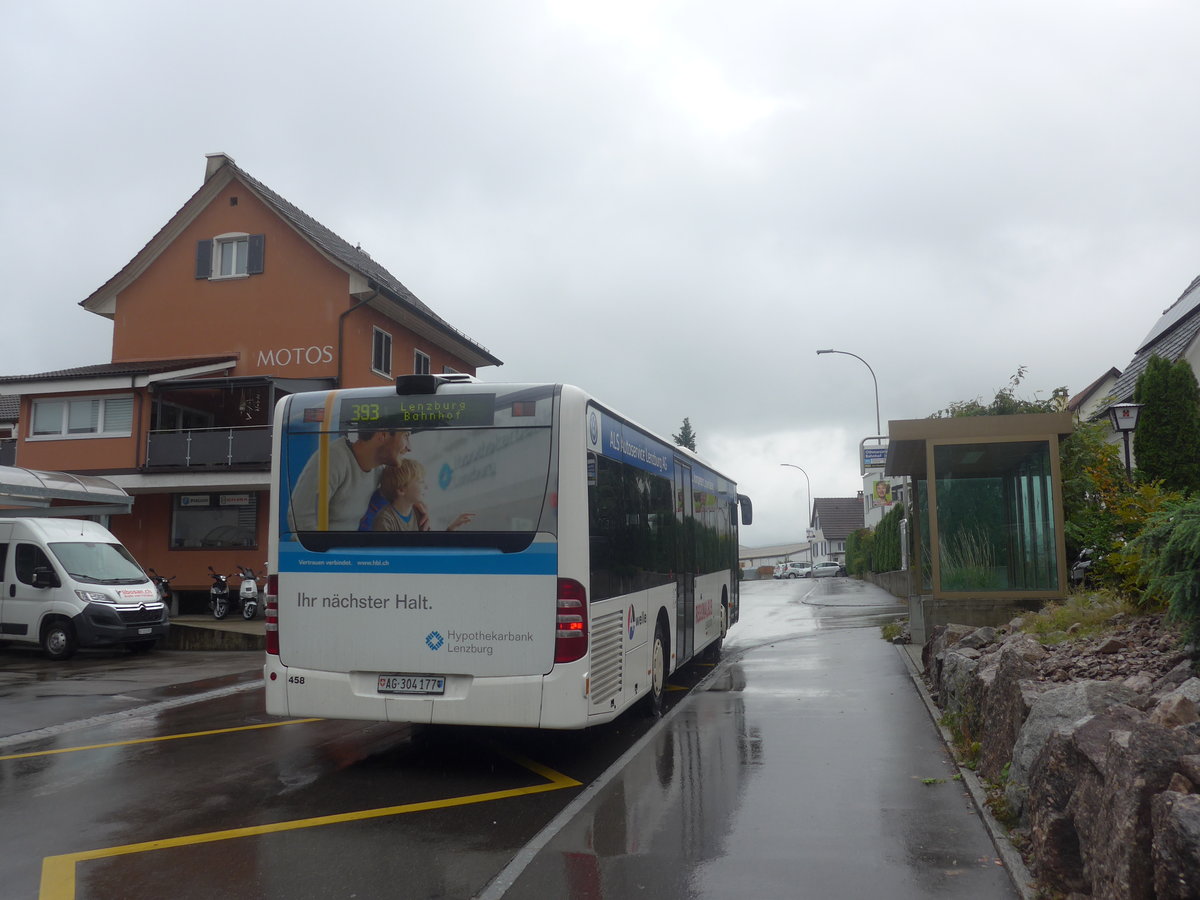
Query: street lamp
x=873, y=378
x=1124, y=418
x=808, y=505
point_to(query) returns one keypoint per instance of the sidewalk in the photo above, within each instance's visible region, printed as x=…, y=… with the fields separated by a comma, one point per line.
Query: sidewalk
x=808, y=767
x=207, y=633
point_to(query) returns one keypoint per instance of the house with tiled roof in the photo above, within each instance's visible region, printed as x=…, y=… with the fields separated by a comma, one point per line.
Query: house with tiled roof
x=833, y=520
x=1175, y=336
x=1094, y=398
x=239, y=299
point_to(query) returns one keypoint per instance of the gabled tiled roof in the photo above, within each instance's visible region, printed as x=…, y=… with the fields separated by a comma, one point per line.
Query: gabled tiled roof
x=837, y=517
x=10, y=407
x=353, y=258
x=145, y=367
x=1168, y=339
x=1076, y=403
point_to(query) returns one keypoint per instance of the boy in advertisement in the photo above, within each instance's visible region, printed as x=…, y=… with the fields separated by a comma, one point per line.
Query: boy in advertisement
x=403, y=487
x=353, y=466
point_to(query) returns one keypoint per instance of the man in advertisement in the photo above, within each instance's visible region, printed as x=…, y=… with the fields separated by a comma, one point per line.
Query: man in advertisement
x=353, y=466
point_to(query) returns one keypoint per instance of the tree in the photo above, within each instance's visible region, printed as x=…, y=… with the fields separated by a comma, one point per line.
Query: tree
x=686, y=437
x=1166, y=443
x=1005, y=403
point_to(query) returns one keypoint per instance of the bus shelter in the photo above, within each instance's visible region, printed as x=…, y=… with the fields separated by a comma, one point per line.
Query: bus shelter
x=28, y=492
x=986, y=518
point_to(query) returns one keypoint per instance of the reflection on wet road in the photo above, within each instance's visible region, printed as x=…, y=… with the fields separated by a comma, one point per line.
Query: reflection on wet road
x=807, y=767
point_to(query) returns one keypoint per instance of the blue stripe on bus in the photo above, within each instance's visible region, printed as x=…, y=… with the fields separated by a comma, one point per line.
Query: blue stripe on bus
x=538, y=559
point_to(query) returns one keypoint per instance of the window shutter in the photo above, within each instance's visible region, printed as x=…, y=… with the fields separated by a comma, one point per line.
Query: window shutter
x=204, y=251
x=254, y=265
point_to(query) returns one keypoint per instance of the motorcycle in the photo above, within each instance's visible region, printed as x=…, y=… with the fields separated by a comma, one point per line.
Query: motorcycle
x=248, y=592
x=218, y=594
x=164, y=589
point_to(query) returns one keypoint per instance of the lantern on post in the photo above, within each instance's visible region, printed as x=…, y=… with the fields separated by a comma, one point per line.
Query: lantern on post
x=1124, y=418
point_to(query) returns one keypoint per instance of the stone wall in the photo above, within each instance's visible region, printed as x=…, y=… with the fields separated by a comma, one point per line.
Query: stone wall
x=895, y=583
x=1099, y=775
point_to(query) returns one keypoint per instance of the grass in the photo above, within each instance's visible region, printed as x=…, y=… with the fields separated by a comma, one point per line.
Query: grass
x=1092, y=611
x=968, y=561
x=891, y=630
x=966, y=749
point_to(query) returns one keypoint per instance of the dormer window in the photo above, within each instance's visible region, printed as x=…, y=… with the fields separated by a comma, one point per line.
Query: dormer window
x=234, y=255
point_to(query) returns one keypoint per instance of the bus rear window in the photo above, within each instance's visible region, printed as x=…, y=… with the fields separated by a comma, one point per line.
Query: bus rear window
x=455, y=465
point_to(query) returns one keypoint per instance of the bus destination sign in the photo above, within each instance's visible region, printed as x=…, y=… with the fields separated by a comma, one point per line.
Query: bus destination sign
x=413, y=412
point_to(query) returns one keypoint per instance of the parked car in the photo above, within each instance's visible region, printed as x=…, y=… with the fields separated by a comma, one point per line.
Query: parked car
x=778, y=572
x=828, y=569
x=796, y=570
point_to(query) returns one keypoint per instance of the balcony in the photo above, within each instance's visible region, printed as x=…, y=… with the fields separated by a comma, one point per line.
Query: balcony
x=209, y=448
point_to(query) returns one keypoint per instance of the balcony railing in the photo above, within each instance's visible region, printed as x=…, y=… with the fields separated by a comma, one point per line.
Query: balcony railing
x=209, y=448
x=8, y=452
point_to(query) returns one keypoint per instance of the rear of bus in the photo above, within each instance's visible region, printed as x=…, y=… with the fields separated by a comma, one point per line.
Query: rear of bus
x=436, y=603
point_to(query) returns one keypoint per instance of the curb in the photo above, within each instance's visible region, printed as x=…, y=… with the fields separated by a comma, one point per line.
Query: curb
x=182, y=636
x=1014, y=863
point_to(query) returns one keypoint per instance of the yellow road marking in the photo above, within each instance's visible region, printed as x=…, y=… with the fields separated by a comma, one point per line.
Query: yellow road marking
x=152, y=740
x=58, y=872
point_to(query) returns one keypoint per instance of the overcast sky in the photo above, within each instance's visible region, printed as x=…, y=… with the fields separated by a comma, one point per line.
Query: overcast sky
x=670, y=204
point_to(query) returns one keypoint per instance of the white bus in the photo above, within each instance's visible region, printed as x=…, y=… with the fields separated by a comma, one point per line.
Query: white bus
x=454, y=552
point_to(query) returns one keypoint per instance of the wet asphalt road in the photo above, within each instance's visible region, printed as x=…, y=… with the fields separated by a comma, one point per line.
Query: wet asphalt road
x=807, y=767
x=799, y=770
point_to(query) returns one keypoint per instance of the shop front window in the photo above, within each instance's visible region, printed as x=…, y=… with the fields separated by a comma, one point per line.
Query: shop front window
x=214, y=521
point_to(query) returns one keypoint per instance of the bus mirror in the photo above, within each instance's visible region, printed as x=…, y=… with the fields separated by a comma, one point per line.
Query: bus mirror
x=747, y=509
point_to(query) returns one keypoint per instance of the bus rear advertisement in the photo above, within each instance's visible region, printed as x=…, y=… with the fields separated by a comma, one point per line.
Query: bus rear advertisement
x=448, y=551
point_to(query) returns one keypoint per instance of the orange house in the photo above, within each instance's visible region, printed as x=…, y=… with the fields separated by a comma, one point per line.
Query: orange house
x=240, y=299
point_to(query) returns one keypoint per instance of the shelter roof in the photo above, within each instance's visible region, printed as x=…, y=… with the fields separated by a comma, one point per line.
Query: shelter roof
x=908, y=437
x=28, y=492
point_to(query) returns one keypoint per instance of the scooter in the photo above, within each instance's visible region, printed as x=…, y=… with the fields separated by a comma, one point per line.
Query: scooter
x=248, y=592
x=218, y=594
x=164, y=590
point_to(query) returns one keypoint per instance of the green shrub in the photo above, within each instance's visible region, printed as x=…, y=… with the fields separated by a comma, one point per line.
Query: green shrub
x=1169, y=558
x=885, y=549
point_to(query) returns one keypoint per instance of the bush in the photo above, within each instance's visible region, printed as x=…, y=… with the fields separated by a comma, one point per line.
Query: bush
x=1169, y=556
x=859, y=549
x=885, y=556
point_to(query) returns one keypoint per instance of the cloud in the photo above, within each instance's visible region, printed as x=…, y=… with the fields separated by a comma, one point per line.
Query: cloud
x=670, y=204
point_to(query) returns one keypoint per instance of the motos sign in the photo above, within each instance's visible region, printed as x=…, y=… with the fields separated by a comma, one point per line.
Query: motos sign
x=295, y=356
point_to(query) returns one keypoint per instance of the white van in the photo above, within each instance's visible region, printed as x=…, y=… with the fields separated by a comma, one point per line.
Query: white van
x=68, y=583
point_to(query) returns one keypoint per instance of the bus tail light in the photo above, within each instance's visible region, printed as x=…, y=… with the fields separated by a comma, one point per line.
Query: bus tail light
x=571, y=631
x=271, y=607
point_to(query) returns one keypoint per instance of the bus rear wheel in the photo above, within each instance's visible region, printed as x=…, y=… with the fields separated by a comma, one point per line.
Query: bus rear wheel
x=658, y=674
